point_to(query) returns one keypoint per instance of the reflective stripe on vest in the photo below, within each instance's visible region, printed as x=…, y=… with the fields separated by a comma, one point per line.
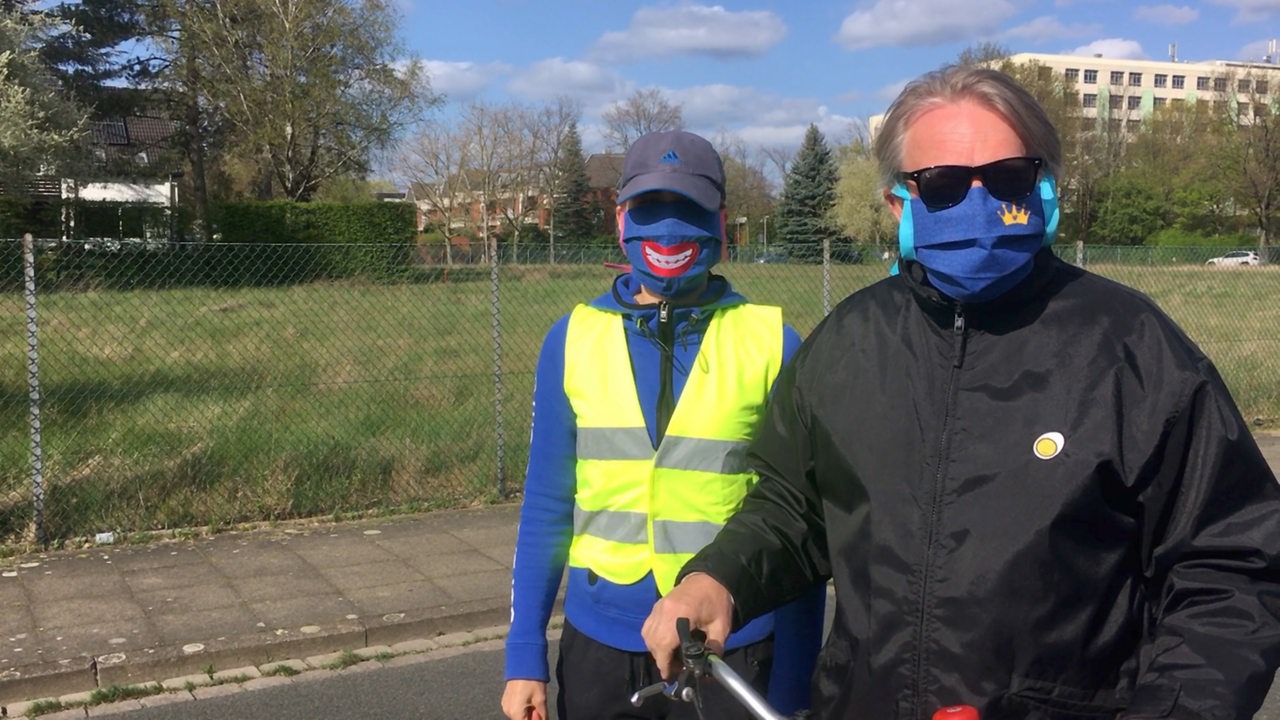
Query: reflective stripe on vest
x=638, y=510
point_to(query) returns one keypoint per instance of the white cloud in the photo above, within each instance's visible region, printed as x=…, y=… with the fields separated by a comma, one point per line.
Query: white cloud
x=554, y=77
x=710, y=106
x=1251, y=11
x=922, y=22
x=1047, y=27
x=1165, y=14
x=1117, y=48
x=658, y=33
x=836, y=129
x=461, y=81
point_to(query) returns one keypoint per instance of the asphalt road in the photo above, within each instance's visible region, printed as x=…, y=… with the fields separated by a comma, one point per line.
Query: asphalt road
x=465, y=684
x=462, y=684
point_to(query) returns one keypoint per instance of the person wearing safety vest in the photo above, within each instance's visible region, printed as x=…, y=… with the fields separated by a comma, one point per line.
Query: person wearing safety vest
x=645, y=401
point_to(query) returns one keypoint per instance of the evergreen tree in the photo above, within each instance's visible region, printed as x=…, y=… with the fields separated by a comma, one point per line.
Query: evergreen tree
x=571, y=213
x=805, y=214
x=95, y=54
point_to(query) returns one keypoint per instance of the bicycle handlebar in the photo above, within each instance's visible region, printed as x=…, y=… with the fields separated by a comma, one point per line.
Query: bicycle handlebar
x=699, y=662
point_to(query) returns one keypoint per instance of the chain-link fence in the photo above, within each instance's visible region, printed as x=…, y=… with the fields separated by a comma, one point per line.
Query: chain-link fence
x=167, y=386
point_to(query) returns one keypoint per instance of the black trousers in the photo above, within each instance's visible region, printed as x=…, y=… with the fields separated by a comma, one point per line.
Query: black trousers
x=596, y=682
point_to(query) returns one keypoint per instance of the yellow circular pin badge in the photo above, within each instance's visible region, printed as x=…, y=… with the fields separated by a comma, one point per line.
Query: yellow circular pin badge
x=1048, y=445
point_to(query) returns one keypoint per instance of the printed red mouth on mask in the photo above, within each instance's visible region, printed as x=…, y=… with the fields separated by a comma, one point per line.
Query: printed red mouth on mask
x=668, y=261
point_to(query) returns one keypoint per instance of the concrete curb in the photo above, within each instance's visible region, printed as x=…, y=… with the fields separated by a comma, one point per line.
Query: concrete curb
x=323, y=659
x=85, y=674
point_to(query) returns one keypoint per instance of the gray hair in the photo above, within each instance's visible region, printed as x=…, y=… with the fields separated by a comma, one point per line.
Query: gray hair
x=991, y=89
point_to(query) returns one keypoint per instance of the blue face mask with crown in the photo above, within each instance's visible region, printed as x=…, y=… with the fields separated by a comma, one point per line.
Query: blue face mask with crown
x=979, y=249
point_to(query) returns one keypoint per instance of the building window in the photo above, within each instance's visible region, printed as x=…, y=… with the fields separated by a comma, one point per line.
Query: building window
x=1242, y=86
x=1161, y=80
x=1116, y=102
x=1159, y=102
x=1179, y=82
x=1202, y=83
x=141, y=158
x=1072, y=74
x=1090, y=77
x=1260, y=87
x=1135, y=102
x=1219, y=84
x=1089, y=100
x=1243, y=110
x=1133, y=125
x=1135, y=79
x=1117, y=77
x=1260, y=111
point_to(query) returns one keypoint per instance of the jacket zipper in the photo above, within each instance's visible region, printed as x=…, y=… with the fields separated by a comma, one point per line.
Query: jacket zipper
x=666, y=396
x=959, y=338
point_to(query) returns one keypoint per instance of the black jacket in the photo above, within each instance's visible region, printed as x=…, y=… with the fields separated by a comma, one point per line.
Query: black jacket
x=1131, y=570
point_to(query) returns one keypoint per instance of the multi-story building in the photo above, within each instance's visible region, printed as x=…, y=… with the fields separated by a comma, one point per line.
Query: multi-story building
x=1126, y=91
x=1122, y=92
x=453, y=205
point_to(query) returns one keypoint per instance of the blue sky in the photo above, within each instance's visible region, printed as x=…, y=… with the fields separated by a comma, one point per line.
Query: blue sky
x=764, y=70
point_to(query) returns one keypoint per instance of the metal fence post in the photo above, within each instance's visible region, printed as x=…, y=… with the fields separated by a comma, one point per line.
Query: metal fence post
x=33, y=386
x=495, y=315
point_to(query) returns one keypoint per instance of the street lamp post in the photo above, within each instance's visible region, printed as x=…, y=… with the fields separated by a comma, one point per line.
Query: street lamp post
x=173, y=204
x=765, y=224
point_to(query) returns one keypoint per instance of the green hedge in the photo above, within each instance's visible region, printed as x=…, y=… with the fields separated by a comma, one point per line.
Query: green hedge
x=256, y=243
x=280, y=242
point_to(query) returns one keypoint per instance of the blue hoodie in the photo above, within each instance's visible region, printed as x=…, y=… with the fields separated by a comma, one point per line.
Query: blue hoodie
x=610, y=613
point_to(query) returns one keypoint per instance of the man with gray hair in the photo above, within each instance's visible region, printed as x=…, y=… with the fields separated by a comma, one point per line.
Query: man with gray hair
x=1034, y=493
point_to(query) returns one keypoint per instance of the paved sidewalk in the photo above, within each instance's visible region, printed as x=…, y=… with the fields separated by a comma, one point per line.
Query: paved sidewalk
x=75, y=621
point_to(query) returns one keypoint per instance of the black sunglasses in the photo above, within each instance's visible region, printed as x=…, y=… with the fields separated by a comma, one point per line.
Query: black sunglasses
x=943, y=186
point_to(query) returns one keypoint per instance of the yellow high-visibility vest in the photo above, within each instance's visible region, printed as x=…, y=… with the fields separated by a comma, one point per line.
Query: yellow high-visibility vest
x=638, y=510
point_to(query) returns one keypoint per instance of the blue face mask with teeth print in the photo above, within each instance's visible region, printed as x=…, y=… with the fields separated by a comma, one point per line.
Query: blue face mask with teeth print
x=671, y=246
x=977, y=250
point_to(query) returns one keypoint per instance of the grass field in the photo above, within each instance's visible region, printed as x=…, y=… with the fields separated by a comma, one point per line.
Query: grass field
x=206, y=407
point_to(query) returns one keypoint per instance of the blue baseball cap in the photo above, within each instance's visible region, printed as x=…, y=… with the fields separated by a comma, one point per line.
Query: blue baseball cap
x=676, y=161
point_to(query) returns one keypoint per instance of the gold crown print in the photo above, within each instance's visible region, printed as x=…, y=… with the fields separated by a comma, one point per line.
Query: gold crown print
x=1014, y=215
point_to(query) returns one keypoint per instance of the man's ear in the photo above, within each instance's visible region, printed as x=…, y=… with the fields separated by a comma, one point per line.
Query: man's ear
x=619, y=218
x=893, y=202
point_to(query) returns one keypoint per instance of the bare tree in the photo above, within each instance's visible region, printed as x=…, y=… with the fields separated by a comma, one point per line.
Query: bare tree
x=487, y=167
x=531, y=138
x=779, y=158
x=431, y=163
x=749, y=194
x=550, y=129
x=645, y=111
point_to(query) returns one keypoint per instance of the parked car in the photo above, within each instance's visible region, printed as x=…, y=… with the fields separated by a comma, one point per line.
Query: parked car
x=772, y=257
x=1236, y=257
